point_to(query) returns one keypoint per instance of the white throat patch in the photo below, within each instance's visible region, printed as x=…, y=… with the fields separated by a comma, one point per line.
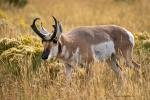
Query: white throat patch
x=53, y=52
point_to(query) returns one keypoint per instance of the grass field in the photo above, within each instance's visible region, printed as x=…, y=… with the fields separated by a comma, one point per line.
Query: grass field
x=24, y=76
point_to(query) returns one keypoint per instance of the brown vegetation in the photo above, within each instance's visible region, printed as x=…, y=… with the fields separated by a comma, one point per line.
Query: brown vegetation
x=23, y=75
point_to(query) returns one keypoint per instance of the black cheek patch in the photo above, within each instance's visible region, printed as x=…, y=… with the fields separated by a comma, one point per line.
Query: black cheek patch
x=45, y=54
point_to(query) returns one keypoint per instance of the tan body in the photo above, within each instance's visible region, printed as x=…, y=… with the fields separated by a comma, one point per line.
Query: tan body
x=84, y=37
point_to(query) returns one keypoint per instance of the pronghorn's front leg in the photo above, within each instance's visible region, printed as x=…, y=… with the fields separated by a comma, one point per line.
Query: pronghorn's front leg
x=68, y=71
x=88, y=71
x=127, y=54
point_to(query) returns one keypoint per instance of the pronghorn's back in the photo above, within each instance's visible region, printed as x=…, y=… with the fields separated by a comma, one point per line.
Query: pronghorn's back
x=96, y=34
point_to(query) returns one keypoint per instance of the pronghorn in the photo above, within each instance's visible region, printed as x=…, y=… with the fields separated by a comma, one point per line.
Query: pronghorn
x=87, y=44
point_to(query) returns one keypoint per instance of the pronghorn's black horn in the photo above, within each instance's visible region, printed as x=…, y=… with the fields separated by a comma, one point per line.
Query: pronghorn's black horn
x=55, y=28
x=60, y=27
x=35, y=29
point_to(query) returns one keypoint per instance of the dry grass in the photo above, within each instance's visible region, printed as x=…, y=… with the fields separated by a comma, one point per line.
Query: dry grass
x=22, y=78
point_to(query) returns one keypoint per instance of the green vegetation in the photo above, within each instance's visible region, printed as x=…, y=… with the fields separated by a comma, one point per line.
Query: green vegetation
x=15, y=53
x=19, y=3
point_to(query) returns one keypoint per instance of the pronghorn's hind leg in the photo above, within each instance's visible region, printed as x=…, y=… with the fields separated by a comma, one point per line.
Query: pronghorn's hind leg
x=127, y=54
x=136, y=65
x=115, y=66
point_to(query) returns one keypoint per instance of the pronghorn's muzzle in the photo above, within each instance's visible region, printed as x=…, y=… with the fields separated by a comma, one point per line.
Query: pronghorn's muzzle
x=44, y=57
x=45, y=54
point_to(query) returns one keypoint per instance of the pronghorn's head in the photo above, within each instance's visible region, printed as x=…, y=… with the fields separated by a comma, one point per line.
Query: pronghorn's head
x=50, y=40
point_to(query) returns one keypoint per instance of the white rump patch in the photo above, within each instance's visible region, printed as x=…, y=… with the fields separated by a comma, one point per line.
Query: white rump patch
x=131, y=37
x=103, y=50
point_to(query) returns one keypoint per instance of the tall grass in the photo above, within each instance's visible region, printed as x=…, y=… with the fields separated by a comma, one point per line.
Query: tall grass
x=23, y=75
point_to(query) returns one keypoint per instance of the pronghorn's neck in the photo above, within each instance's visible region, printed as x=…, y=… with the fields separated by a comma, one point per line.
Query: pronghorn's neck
x=64, y=43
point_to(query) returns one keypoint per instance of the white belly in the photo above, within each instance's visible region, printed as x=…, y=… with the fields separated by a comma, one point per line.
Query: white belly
x=103, y=50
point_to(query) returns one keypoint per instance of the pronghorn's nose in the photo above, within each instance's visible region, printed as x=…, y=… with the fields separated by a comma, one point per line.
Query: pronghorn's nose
x=45, y=54
x=44, y=57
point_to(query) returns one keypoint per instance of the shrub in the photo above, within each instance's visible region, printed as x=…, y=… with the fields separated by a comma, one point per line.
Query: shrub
x=15, y=53
x=18, y=60
x=6, y=44
x=146, y=44
x=19, y=3
x=3, y=14
x=22, y=56
x=144, y=36
x=143, y=42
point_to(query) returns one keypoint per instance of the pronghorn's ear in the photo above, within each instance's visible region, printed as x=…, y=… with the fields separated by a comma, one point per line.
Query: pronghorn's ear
x=59, y=30
x=60, y=26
